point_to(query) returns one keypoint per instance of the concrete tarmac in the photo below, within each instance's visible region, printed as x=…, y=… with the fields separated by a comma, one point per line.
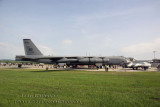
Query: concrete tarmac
x=119, y=69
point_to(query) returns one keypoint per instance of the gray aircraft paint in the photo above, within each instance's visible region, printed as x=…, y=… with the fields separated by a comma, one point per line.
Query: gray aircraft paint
x=32, y=53
x=30, y=48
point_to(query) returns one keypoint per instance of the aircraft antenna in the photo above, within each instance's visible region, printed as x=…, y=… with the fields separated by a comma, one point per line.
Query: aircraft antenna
x=154, y=53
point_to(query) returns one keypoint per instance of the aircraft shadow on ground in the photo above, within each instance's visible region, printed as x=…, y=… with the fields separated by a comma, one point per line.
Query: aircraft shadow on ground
x=17, y=68
x=49, y=71
x=56, y=70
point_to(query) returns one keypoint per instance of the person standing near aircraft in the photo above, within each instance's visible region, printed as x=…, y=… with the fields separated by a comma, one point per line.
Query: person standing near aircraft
x=106, y=68
x=158, y=67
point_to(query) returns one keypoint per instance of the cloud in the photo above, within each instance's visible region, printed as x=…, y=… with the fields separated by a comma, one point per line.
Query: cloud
x=99, y=40
x=9, y=51
x=86, y=19
x=67, y=41
x=83, y=31
x=46, y=50
x=142, y=48
x=23, y=36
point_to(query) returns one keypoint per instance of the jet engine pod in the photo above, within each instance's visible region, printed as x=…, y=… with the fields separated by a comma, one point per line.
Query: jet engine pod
x=106, y=60
x=84, y=60
x=96, y=60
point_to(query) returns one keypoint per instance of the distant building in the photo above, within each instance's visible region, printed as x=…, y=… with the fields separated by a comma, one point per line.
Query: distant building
x=155, y=62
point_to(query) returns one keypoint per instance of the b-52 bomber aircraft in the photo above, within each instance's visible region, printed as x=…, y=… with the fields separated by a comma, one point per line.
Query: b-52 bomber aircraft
x=32, y=53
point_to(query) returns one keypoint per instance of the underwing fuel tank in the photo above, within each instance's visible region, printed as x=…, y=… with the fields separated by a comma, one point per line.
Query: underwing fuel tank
x=64, y=60
x=94, y=60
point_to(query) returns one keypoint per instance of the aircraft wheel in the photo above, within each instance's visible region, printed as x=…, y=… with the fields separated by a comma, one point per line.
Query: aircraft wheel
x=145, y=68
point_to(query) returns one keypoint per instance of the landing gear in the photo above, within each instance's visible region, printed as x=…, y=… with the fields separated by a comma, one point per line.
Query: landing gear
x=97, y=67
x=145, y=68
x=19, y=65
x=74, y=66
x=135, y=68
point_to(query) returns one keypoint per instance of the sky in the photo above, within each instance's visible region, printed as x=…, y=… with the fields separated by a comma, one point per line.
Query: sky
x=129, y=28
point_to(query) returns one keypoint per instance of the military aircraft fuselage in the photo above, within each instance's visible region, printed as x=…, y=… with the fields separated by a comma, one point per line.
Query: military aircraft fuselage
x=32, y=53
x=83, y=60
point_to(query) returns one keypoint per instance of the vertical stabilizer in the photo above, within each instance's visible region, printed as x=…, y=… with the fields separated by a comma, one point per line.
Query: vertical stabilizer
x=30, y=48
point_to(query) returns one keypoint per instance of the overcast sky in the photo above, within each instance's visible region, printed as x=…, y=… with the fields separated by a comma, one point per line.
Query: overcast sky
x=129, y=28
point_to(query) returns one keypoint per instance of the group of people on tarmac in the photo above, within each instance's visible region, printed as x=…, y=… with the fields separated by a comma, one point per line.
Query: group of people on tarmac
x=158, y=67
x=106, y=67
x=8, y=64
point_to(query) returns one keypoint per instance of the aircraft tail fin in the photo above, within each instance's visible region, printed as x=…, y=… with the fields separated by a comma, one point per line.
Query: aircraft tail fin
x=30, y=48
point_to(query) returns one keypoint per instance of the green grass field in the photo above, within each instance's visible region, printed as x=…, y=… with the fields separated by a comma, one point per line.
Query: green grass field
x=26, y=87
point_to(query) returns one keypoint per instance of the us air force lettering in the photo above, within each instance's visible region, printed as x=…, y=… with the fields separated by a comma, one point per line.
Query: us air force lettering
x=32, y=53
